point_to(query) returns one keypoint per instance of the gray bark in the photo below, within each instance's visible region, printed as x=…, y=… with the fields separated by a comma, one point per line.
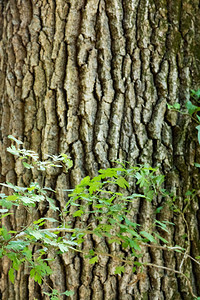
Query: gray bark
x=91, y=78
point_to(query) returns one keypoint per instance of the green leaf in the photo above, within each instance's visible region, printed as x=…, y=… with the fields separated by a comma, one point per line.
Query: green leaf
x=176, y=106
x=3, y=210
x=68, y=293
x=27, y=253
x=196, y=93
x=137, y=263
x=191, y=108
x=36, y=234
x=134, y=269
x=197, y=165
x=161, y=238
x=27, y=166
x=85, y=181
x=121, y=182
x=5, y=215
x=169, y=106
x=158, y=210
x=128, y=222
x=17, y=245
x=148, y=236
x=111, y=172
x=11, y=275
x=111, y=241
x=198, y=128
x=135, y=245
x=63, y=248
x=4, y=233
x=15, y=261
x=11, y=137
x=12, y=197
x=78, y=213
x=119, y=270
x=93, y=260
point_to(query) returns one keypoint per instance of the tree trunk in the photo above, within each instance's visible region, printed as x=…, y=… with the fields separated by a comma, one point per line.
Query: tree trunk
x=91, y=78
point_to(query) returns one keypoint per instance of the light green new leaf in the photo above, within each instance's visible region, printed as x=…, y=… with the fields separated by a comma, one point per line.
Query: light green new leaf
x=11, y=275
x=93, y=260
x=85, y=181
x=121, y=182
x=78, y=213
x=12, y=197
x=119, y=270
x=94, y=186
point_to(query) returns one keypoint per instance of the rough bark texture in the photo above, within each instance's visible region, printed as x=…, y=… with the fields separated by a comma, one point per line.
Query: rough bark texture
x=91, y=78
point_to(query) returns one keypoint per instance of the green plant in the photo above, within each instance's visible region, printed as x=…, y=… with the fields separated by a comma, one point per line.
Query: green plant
x=104, y=200
x=191, y=110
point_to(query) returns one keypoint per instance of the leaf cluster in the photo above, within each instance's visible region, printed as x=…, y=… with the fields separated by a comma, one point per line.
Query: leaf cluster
x=105, y=200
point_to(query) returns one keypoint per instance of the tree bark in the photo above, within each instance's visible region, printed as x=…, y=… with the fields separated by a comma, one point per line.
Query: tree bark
x=91, y=78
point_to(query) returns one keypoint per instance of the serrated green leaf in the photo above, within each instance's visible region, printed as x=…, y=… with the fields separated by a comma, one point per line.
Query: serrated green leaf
x=121, y=182
x=94, y=186
x=85, y=181
x=93, y=260
x=119, y=270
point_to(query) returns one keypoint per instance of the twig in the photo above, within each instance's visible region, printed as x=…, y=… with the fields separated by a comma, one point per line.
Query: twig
x=174, y=271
